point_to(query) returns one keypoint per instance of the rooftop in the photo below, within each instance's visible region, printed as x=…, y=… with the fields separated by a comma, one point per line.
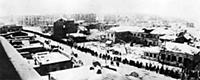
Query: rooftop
x=27, y=45
x=152, y=49
x=84, y=73
x=77, y=35
x=181, y=48
x=52, y=57
x=163, y=31
x=126, y=28
x=168, y=37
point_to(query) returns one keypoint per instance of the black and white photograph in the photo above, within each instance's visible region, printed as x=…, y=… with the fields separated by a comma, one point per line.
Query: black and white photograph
x=99, y=39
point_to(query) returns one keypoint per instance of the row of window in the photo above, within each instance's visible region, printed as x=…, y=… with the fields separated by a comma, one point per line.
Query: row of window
x=111, y=35
x=166, y=57
x=151, y=55
x=171, y=58
x=152, y=43
x=145, y=35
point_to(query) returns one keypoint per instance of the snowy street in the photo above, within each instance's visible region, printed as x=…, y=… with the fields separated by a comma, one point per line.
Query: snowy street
x=123, y=69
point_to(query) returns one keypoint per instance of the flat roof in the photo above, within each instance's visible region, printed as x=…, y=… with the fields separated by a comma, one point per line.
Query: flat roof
x=52, y=57
x=77, y=35
x=35, y=45
x=84, y=73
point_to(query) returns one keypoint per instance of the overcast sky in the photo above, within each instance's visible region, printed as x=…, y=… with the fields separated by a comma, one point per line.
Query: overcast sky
x=189, y=9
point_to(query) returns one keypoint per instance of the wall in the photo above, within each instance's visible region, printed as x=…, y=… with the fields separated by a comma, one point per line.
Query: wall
x=16, y=67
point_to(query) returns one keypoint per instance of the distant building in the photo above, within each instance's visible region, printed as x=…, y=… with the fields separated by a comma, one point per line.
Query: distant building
x=110, y=36
x=10, y=28
x=89, y=18
x=62, y=27
x=133, y=35
x=47, y=29
x=3, y=29
x=147, y=39
x=190, y=25
x=183, y=37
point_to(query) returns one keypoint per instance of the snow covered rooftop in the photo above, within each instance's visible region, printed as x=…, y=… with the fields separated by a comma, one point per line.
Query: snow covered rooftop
x=181, y=48
x=168, y=37
x=80, y=21
x=28, y=45
x=162, y=31
x=152, y=49
x=77, y=35
x=82, y=28
x=84, y=73
x=52, y=57
x=35, y=29
x=126, y=28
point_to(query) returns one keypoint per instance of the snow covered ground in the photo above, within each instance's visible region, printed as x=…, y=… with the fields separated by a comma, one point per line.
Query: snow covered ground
x=135, y=54
x=123, y=68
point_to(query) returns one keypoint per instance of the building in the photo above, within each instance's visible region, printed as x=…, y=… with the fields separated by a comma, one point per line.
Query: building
x=3, y=29
x=13, y=65
x=110, y=35
x=47, y=29
x=147, y=39
x=78, y=37
x=48, y=61
x=132, y=34
x=58, y=28
x=151, y=53
x=177, y=54
x=89, y=18
x=63, y=27
x=10, y=28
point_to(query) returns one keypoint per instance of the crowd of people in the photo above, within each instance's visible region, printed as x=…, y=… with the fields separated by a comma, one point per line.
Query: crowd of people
x=148, y=66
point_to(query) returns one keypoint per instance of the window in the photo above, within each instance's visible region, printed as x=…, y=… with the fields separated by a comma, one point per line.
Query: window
x=154, y=55
x=112, y=35
x=133, y=35
x=187, y=60
x=180, y=59
x=147, y=54
x=141, y=35
x=156, y=43
x=150, y=55
x=168, y=57
x=163, y=56
x=138, y=35
x=173, y=58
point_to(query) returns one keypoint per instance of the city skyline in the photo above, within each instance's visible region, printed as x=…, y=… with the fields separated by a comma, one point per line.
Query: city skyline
x=185, y=9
